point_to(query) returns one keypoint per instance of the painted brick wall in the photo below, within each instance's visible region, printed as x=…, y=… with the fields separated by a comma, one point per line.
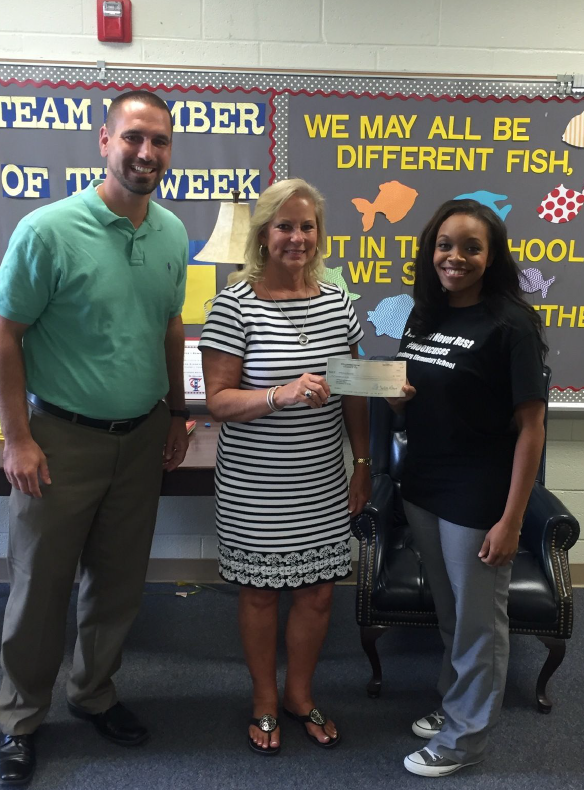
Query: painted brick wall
x=523, y=37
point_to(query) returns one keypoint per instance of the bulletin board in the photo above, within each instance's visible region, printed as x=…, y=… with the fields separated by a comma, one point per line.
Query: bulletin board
x=385, y=152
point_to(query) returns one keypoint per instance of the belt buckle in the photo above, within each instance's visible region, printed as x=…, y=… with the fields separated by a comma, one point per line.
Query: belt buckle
x=114, y=423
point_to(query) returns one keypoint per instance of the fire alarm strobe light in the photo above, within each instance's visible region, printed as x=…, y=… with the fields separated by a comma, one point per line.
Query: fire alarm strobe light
x=114, y=20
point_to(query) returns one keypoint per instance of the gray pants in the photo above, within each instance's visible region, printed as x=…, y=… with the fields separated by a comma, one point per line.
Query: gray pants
x=100, y=512
x=471, y=604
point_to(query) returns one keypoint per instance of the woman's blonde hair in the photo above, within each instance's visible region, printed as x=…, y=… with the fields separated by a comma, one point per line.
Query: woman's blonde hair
x=269, y=203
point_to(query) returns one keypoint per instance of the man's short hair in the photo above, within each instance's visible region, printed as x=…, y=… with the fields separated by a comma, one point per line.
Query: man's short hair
x=146, y=97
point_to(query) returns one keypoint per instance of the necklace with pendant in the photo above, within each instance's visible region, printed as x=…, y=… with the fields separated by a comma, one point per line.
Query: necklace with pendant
x=302, y=337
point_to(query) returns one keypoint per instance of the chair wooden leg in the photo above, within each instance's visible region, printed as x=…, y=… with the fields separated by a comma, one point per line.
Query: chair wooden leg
x=557, y=651
x=369, y=636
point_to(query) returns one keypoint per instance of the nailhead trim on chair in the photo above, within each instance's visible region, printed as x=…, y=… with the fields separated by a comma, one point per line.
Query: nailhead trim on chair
x=561, y=579
x=362, y=577
x=368, y=571
x=435, y=625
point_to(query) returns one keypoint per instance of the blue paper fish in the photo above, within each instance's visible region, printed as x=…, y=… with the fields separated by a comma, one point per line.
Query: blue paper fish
x=390, y=315
x=489, y=199
x=531, y=280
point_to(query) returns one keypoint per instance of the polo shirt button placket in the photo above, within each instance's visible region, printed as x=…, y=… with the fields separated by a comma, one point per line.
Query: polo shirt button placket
x=137, y=255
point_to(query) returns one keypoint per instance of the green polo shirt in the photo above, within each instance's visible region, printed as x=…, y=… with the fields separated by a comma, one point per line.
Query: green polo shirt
x=97, y=294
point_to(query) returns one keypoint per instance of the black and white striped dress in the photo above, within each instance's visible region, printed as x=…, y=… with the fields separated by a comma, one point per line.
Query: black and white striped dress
x=281, y=486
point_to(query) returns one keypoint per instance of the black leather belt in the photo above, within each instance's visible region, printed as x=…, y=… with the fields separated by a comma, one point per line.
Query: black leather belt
x=113, y=426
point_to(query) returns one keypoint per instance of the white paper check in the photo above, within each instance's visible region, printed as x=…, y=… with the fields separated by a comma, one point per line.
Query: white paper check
x=370, y=377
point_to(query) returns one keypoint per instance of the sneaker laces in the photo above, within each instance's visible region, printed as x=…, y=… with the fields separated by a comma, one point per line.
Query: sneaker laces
x=432, y=754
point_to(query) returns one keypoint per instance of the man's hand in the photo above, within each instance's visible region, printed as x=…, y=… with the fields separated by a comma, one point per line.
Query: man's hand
x=500, y=544
x=25, y=467
x=177, y=442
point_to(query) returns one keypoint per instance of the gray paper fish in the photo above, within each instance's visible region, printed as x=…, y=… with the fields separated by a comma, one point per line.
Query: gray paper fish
x=531, y=280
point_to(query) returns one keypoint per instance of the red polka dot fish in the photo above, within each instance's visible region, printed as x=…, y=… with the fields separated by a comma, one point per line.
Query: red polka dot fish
x=560, y=205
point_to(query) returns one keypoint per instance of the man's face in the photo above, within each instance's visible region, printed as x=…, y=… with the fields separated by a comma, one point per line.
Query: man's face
x=138, y=147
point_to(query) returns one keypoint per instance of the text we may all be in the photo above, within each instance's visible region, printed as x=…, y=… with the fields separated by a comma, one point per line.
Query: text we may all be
x=434, y=157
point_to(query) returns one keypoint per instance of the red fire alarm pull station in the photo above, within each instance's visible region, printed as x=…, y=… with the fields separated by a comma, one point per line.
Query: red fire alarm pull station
x=114, y=20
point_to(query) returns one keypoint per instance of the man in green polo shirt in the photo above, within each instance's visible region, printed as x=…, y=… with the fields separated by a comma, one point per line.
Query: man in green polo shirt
x=91, y=342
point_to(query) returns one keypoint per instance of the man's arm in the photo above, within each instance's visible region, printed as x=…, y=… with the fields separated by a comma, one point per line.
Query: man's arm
x=174, y=347
x=24, y=461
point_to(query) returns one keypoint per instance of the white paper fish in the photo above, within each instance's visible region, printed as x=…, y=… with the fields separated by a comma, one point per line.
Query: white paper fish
x=531, y=280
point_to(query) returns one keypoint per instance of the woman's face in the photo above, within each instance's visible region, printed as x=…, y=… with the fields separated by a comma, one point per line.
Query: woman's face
x=461, y=256
x=291, y=236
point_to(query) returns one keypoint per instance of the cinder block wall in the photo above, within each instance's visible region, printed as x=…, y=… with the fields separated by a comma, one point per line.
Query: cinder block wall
x=519, y=38
x=523, y=37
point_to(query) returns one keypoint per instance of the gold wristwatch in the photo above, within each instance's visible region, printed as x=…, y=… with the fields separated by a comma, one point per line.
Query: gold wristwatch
x=362, y=461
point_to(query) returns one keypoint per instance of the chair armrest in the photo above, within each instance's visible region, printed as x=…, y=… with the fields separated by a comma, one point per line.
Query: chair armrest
x=548, y=527
x=373, y=526
x=378, y=512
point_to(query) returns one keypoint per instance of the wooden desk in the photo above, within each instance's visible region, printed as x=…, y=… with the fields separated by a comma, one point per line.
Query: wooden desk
x=194, y=477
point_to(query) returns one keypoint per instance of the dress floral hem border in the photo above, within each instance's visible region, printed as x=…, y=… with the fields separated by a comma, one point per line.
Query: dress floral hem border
x=287, y=571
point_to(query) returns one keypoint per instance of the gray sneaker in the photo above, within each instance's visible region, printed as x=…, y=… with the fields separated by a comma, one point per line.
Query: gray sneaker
x=429, y=725
x=428, y=763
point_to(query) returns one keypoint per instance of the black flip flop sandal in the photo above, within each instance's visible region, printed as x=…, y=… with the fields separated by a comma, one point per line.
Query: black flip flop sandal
x=268, y=724
x=318, y=718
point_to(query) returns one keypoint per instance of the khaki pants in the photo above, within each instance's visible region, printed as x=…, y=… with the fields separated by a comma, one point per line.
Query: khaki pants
x=100, y=512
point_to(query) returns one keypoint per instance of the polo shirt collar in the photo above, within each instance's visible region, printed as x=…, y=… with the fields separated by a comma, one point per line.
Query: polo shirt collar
x=104, y=215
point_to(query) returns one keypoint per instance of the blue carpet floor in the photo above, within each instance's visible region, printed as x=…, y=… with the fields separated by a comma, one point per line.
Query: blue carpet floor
x=183, y=674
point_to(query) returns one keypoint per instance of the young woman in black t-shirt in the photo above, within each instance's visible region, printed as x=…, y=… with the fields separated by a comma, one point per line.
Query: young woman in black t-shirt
x=474, y=407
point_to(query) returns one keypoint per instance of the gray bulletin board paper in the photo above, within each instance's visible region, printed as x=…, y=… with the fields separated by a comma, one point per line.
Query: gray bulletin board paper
x=385, y=152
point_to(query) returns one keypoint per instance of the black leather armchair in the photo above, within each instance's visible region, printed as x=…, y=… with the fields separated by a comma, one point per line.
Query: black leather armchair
x=393, y=590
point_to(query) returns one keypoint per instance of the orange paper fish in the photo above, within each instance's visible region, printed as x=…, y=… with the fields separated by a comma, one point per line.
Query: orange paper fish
x=393, y=201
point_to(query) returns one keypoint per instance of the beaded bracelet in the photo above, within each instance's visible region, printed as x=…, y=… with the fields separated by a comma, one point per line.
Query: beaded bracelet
x=270, y=399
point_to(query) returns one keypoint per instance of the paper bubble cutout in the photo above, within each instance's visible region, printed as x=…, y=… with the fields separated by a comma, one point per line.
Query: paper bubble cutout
x=560, y=205
x=390, y=315
x=531, y=281
x=574, y=131
x=393, y=201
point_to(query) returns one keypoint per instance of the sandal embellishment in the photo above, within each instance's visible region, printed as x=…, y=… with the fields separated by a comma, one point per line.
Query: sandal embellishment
x=316, y=717
x=267, y=723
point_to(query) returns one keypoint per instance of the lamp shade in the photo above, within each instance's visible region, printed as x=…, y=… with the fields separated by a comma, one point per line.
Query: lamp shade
x=227, y=242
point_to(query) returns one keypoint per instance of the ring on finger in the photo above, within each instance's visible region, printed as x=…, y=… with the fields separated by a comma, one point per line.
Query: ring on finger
x=308, y=394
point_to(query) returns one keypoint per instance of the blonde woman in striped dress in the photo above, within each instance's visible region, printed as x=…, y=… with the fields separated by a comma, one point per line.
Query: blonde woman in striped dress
x=283, y=504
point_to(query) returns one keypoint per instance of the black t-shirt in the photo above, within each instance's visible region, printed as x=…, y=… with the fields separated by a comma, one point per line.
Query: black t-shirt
x=469, y=374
